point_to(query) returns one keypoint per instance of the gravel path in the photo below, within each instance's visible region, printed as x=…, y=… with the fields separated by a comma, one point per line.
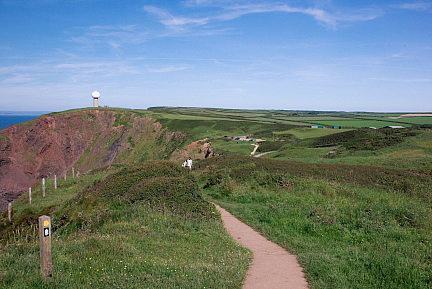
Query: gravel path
x=272, y=266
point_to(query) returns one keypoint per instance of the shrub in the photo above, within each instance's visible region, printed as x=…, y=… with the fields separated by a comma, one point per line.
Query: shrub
x=365, y=139
x=176, y=194
x=162, y=185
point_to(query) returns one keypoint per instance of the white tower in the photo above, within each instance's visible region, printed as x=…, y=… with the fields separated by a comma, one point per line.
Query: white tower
x=95, y=96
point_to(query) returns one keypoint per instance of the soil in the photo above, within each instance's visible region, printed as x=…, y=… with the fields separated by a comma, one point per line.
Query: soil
x=272, y=266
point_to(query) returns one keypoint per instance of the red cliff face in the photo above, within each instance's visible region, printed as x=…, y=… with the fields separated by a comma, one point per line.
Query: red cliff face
x=85, y=140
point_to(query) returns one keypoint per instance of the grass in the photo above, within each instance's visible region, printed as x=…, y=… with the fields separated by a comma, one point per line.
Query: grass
x=408, y=152
x=233, y=146
x=297, y=118
x=358, y=123
x=302, y=154
x=357, y=218
x=152, y=250
x=108, y=233
x=304, y=132
x=346, y=236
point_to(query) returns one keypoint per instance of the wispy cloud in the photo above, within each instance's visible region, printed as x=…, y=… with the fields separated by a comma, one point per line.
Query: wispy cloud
x=58, y=71
x=174, y=22
x=168, y=69
x=398, y=55
x=416, y=80
x=109, y=36
x=19, y=78
x=231, y=11
x=5, y=47
x=420, y=6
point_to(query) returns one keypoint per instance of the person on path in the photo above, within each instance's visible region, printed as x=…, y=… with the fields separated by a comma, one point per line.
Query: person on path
x=189, y=163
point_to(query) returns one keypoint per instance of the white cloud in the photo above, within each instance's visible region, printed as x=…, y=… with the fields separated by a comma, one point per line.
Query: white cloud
x=113, y=37
x=18, y=78
x=230, y=12
x=420, y=6
x=57, y=71
x=398, y=55
x=168, y=69
x=173, y=22
x=114, y=45
x=413, y=80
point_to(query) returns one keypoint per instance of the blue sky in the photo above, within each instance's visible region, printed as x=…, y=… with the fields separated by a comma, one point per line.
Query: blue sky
x=302, y=55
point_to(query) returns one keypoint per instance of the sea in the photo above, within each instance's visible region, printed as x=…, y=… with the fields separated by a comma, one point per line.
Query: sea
x=11, y=118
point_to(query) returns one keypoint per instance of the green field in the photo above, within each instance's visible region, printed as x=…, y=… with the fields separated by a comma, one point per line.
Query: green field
x=304, y=132
x=355, y=206
x=298, y=118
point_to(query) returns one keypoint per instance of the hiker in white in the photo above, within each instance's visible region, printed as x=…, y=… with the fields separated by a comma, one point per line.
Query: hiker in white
x=189, y=163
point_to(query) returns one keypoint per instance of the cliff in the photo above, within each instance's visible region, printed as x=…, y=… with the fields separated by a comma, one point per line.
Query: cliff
x=83, y=140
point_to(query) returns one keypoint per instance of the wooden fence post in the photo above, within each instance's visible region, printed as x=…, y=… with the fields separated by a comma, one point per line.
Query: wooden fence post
x=55, y=182
x=73, y=172
x=43, y=187
x=30, y=195
x=10, y=212
x=45, y=246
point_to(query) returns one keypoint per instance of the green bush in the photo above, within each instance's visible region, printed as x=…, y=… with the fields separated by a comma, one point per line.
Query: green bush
x=162, y=185
x=365, y=139
x=271, y=146
x=176, y=194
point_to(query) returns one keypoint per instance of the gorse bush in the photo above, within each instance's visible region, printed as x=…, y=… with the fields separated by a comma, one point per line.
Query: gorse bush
x=162, y=185
x=175, y=194
x=271, y=146
x=365, y=139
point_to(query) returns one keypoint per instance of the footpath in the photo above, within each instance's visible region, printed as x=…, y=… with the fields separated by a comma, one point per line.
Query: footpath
x=272, y=266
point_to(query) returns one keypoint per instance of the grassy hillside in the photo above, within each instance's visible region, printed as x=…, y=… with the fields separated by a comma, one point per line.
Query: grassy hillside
x=409, y=149
x=360, y=219
x=351, y=226
x=354, y=204
x=124, y=227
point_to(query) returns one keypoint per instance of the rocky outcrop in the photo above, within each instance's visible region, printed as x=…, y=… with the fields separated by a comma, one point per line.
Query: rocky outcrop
x=200, y=149
x=87, y=139
x=207, y=150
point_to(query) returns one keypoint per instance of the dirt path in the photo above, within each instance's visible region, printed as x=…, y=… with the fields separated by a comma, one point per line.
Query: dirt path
x=261, y=154
x=272, y=266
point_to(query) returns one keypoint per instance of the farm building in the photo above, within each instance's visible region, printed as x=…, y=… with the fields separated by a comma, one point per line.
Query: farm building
x=246, y=138
x=394, y=126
